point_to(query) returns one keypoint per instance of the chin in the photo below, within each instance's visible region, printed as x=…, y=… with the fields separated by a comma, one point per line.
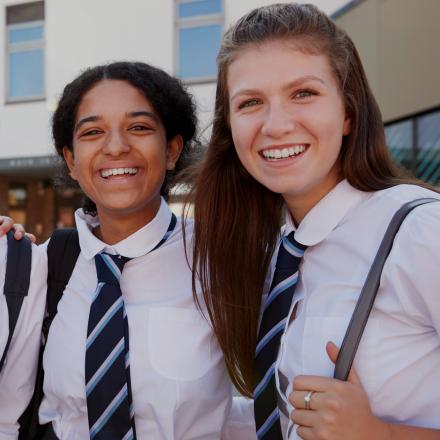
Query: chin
x=281, y=187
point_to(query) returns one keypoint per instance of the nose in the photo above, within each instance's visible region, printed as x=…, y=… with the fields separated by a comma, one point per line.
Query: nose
x=116, y=144
x=278, y=121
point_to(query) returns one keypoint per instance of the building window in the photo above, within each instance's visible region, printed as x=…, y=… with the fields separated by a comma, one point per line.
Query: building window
x=25, y=52
x=199, y=27
x=415, y=143
x=400, y=141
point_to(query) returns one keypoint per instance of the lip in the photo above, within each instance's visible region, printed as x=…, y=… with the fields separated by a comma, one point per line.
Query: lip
x=109, y=165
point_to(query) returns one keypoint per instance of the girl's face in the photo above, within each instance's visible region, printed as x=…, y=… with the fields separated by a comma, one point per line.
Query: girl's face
x=287, y=120
x=120, y=151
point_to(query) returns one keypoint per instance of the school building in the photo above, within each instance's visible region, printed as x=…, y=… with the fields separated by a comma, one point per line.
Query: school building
x=45, y=44
x=398, y=41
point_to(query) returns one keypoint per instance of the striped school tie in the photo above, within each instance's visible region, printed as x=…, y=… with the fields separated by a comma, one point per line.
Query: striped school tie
x=108, y=386
x=273, y=322
x=109, y=400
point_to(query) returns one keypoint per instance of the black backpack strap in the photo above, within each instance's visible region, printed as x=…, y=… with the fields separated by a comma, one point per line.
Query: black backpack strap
x=62, y=253
x=368, y=294
x=17, y=280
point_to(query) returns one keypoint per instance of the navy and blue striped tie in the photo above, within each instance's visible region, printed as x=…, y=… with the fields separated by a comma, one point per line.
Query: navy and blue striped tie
x=108, y=390
x=108, y=385
x=275, y=314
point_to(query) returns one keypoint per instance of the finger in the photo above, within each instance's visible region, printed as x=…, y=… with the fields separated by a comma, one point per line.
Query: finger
x=312, y=383
x=31, y=237
x=305, y=433
x=333, y=351
x=353, y=377
x=296, y=398
x=303, y=417
x=18, y=231
x=5, y=224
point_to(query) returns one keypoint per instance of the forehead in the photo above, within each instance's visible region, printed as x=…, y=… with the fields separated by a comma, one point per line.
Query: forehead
x=275, y=63
x=110, y=94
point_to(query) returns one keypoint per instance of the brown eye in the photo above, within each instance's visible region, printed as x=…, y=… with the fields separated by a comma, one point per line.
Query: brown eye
x=139, y=128
x=91, y=132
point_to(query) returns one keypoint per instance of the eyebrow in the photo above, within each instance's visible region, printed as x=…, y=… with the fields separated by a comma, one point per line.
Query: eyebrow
x=135, y=114
x=292, y=84
x=85, y=120
x=143, y=113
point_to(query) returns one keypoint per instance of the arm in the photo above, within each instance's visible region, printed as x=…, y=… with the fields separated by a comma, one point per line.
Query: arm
x=399, y=432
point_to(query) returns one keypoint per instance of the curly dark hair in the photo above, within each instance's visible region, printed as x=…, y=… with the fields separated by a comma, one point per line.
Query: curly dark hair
x=167, y=95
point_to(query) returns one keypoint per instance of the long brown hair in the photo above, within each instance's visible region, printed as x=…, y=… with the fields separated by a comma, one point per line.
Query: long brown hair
x=236, y=218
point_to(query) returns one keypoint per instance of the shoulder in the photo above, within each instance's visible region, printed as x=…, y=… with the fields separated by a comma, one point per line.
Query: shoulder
x=380, y=207
x=38, y=259
x=400, y=194
x=423, y=219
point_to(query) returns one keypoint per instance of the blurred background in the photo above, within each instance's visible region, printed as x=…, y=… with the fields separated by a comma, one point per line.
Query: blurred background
x=45, y=44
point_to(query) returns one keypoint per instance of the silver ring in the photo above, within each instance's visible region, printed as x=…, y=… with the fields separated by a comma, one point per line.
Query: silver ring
x=308, y=399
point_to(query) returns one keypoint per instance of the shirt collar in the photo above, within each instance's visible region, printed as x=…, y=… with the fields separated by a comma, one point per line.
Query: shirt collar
x=135, y=245
x=326, y=214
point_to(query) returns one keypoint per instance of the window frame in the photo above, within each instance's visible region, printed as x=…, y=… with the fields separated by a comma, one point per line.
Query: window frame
x=193, y=22
x=23, y=47
x=416, y=148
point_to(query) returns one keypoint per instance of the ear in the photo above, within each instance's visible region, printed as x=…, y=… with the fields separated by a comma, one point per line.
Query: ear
x=70, y=161
x=346, y=128
x=174, y=148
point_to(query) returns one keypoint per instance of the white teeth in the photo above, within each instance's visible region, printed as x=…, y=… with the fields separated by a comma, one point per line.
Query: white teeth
x=118, y=171
x=282, y=153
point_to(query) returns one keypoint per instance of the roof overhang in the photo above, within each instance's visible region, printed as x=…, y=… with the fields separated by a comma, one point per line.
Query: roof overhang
x=34, y=167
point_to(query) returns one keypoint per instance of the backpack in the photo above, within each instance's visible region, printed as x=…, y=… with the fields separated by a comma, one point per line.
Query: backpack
x=17, y=280
x=62, y=252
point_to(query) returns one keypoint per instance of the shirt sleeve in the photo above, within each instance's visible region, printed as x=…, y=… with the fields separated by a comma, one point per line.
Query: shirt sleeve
x=240, y=424
x=17, y=378
x=413, y=266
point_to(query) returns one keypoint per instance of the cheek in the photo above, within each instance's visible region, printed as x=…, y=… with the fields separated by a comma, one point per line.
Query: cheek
x=329, y=129
x=74, y=169
x=242, y=130
x=81, y=167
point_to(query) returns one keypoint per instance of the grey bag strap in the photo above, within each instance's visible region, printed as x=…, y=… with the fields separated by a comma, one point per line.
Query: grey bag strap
x=369, y=290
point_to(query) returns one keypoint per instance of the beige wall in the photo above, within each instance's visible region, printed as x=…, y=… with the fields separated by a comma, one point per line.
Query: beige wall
x=399, y=43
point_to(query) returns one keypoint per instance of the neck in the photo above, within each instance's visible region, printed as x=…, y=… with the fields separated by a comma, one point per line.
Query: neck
x=300, y=205
x=114, y=228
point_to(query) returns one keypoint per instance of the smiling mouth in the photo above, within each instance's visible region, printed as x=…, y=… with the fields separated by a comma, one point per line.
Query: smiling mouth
x=110, y=172
x=276, y=154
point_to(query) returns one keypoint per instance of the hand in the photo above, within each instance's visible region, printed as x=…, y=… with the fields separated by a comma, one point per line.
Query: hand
x=338, y=410
x=6, y=224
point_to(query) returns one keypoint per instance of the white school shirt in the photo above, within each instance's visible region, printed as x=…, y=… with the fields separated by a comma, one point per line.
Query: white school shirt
x=17, y=377
x=180, y=387
x=398, y=359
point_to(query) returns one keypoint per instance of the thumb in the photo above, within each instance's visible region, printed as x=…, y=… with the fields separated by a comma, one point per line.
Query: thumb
x=332, y=352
